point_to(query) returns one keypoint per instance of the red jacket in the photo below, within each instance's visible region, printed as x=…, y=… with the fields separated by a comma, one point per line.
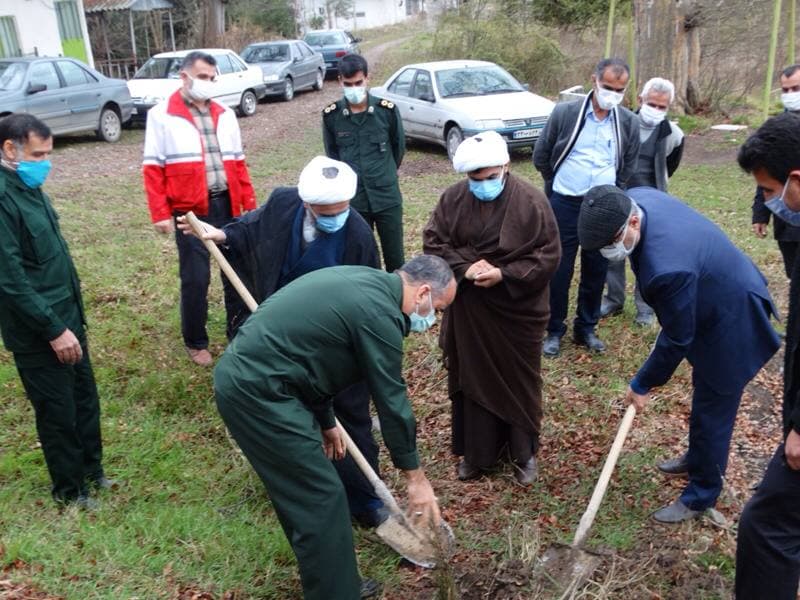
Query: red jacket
x=173, y=166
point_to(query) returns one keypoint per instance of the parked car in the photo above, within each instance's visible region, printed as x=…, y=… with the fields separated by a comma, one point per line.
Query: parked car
x=66, y=94
x=333, y=44
x=288, y=66
x=239, y=85
x=443, y=102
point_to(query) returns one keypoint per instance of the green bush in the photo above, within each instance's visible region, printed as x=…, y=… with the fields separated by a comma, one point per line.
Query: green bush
x=522, y=49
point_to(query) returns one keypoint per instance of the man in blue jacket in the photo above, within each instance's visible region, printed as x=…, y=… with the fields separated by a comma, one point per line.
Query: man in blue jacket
x=714, y=309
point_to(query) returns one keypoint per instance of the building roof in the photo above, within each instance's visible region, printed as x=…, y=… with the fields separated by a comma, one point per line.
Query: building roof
x=93, y=6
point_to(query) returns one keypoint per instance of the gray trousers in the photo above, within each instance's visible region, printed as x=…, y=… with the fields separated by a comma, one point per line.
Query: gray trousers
x=615, y=294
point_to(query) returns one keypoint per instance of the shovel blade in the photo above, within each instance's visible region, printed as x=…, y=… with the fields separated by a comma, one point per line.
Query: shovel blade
x=422, y=547
x=568, y=567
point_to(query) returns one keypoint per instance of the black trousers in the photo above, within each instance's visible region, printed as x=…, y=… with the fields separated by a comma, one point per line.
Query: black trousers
x=768, y=543
x=67, y=408
x=788, y=252
x=195, y=275
x=351, y=407
x=593, y=273
x=389, y=223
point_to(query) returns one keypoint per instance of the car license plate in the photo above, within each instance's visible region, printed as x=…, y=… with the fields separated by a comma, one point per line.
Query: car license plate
x=523, y=134
x=135, y=111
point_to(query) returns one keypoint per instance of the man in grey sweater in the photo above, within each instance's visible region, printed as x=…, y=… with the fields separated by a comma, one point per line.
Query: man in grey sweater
x=660, y=154
x=585, y=143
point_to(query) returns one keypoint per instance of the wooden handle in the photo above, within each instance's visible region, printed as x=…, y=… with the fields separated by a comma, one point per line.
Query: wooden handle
x=600, y=489
x=198, y=229
x=380, y=488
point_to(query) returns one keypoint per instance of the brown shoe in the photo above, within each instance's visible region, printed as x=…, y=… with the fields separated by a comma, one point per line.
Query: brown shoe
x=200, y=356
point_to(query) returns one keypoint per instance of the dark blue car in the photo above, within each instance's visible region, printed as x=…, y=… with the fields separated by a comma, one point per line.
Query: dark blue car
x=333, y=44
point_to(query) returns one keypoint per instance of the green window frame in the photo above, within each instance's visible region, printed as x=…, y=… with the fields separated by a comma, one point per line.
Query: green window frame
x=9, y=41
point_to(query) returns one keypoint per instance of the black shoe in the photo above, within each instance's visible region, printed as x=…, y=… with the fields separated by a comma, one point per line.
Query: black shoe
x=466, y=471
x=551, y=346
x=372, y=518
x=104, y=483
x=370, y=588
x=675, y=466
x=607, y=309
x=526, y=473
x=645, y=319
x=591, y=341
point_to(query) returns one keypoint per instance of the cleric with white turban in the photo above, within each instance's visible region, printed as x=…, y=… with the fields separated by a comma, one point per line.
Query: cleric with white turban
x=484, y=158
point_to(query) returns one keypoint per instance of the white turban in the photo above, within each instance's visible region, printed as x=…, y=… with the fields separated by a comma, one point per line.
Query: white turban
x=327, y=181
x=486, y=149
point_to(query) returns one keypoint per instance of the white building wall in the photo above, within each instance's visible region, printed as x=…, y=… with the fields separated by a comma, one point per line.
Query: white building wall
x=37, y=26
x=376, y=13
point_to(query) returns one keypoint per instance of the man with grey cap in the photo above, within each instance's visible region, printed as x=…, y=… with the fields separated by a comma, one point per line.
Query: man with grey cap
x=299, y=230
x=714, y=309
x=499, y=235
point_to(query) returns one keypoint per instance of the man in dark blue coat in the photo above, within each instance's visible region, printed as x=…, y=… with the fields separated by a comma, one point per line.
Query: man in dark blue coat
x=714, y=309
x=299, y=230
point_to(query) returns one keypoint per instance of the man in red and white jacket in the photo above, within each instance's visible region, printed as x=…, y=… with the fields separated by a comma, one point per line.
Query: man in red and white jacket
x=193, y=160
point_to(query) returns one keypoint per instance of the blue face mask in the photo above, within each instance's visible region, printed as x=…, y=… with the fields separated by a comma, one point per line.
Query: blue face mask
x=332, y=223
x=33, y=172
x=420, y=323
x=355, y=95
x=487, y=190
x=780, y=210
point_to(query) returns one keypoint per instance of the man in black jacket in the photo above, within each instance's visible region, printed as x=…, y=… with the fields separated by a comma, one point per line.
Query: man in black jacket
x=585, y=143
x=768, y=545
x=299, y=230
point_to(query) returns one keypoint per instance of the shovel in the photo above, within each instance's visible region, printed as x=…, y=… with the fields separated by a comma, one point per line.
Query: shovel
x=422, y=547
x=569, y=566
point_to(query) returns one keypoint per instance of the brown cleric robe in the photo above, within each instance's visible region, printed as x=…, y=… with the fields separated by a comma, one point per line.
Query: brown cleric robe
x=491, y=337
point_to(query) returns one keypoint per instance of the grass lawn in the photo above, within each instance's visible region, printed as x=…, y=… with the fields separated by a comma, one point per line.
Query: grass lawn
x=191, y=517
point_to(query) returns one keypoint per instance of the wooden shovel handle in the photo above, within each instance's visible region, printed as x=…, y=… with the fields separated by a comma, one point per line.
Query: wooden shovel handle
x=600, y=489
x=380, y=488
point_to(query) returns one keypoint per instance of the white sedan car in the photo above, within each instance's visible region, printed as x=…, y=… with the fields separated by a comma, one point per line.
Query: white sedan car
x=444, y=102
x=239, y=85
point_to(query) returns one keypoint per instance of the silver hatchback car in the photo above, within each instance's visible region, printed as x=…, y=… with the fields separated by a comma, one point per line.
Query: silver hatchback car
x=66, y=94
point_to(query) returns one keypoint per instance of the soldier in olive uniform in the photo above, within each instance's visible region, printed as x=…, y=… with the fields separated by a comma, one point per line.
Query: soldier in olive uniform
x=41, y=315
x=367, y=133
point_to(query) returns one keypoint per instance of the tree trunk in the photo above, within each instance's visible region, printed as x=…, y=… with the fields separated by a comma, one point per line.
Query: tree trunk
x=668, y=46
x=213, y=22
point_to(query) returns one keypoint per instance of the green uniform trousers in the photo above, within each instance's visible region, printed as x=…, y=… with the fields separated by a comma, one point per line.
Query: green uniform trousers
x=282, y=441
x=389, y=223
x=67, y=408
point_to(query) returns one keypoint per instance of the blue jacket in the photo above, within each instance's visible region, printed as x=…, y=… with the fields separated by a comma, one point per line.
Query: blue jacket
x=711, y=300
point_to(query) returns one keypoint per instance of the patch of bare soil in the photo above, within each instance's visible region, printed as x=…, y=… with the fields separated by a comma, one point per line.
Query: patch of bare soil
x=712, y=147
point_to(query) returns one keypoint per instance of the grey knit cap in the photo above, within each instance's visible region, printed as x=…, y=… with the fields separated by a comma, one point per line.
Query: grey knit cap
x=604, y=211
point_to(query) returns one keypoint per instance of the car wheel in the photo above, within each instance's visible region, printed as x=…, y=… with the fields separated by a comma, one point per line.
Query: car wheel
x=319, y=81
x=288, y=90
x=247, y=105
x=110, y=126
x=453, y=139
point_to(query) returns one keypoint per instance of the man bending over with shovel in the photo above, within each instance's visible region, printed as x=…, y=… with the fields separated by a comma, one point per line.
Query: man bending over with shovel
x=299, y=230
x=714, y=309
x=312, y=339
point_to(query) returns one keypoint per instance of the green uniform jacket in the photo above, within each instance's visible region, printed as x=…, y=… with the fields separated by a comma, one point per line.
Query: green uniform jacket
x=39, y=289
x=317, y=336
x=372, y=143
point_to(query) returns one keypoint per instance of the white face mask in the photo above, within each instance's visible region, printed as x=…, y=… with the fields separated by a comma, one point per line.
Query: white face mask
x=608, y=99
x=202, y=89
x=618, y=251
x=651, y=116
x=791, y=101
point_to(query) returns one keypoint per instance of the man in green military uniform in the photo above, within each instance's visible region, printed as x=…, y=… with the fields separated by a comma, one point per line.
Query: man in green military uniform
x=275, y=382
x=41, y=315
x=367, y=133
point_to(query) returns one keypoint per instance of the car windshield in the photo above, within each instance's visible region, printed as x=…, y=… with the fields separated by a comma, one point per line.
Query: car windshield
x=325, y=39
x=160, y=68
x=271, y=53
x=12, y=75
x=475, y=81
